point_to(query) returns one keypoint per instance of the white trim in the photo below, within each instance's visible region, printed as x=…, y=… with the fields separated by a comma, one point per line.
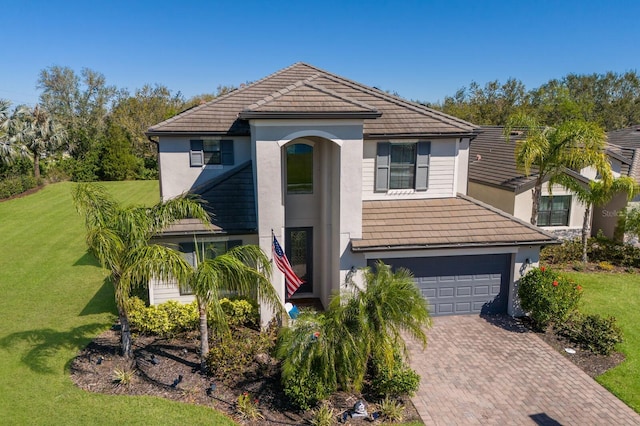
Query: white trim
x=310, y=132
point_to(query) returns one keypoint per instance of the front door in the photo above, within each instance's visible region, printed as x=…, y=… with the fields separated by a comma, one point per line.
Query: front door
x=299, y=251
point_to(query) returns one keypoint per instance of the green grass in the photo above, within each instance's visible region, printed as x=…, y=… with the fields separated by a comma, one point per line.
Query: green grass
x=55, y=301
x=618, y=295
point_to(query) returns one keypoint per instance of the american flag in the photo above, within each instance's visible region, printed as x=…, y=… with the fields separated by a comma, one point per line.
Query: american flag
x=292, y=280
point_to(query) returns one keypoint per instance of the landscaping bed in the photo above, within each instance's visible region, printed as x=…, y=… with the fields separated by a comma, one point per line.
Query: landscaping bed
x=94, y=369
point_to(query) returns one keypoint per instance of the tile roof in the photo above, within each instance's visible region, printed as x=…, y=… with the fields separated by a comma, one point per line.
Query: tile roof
x=315, y=90
x=230, y=200
x=492, y=160
x=628, y=140
x=439, y=223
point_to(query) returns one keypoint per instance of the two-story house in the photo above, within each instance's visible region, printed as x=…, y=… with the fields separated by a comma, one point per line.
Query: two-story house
x=343, y=174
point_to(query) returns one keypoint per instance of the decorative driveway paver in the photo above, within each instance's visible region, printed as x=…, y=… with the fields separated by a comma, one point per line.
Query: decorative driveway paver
x=477, y=373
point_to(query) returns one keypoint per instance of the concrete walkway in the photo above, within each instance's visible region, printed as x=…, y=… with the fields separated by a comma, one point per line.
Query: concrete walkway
x=476, y=372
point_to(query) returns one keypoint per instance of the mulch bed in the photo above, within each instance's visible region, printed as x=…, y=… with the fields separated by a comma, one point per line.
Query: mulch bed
x=176, y=376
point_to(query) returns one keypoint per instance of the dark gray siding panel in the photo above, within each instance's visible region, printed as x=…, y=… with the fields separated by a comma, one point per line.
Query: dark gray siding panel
x=460, y=284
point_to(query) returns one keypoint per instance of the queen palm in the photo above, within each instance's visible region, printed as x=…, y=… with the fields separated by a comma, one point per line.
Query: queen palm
x=597, y=193
x=119, y=237
x=550, y=151
x=243, y=271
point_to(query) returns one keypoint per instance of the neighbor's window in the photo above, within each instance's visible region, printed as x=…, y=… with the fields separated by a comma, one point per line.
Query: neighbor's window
x=554, y=210
x=300, y=169
x=402, y=166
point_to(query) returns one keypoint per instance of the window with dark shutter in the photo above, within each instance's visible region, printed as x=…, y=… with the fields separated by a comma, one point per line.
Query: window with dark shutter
x=422, y=166
x=382, y=167
x=402, y=166
x=211, y=151
x=196, y=154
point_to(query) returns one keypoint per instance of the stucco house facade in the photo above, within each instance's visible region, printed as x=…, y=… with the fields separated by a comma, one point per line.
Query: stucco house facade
x=343, y=175
x=495, y=179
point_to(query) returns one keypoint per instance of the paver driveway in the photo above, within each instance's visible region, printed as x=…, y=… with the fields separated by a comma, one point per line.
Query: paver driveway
x=475, y=372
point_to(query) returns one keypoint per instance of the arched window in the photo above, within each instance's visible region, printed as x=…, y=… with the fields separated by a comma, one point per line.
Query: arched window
x=299, y=169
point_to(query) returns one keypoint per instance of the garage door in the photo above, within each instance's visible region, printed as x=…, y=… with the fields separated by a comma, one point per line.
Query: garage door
x=456, y=285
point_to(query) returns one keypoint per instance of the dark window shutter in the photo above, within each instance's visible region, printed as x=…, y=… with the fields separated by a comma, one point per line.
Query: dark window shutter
x=382, y=167
x=188, y=251
x=422, y=166
x=226, y=152
x=233, y=243
x=196, y=155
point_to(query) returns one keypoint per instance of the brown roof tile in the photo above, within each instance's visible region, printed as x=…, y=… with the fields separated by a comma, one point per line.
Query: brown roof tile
x=441, y=222
x=399, y=116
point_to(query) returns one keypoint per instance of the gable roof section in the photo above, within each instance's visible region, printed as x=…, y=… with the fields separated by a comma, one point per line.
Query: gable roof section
x=441, y=223
x=492, y=161
x=628, y=141
x=305, y=99
x=314, y=90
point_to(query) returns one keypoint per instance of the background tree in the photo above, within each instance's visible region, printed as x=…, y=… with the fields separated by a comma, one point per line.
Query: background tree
x=244, y=271
x=597, y=193
x=119, y=238
x=548, y=151
x=35, y=132
x=78, y=103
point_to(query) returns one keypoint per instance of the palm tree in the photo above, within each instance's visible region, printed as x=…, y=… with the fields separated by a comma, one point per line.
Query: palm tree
x=119, y=238
x=549, y=151
x=34, y=131
x=597, y=193
x=336, y=348
x=243, y=270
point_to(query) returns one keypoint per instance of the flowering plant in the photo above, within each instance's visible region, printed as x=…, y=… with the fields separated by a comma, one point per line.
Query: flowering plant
x=248, y=408
x=547, y=296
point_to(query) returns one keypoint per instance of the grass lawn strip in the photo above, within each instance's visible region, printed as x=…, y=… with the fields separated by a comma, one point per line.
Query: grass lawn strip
x=618, y=295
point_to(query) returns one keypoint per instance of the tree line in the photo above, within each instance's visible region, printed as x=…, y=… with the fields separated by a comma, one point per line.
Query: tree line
x=85, y=129
x=612, y=100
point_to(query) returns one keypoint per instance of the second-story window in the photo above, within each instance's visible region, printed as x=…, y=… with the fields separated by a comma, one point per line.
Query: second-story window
x=211, y=151
x=402, y=166
x=299, y=169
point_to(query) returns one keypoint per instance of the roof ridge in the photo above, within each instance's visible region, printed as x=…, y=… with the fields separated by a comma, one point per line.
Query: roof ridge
x=395, y=99
x=225, y=96
x=309, y=83
x=506, y=215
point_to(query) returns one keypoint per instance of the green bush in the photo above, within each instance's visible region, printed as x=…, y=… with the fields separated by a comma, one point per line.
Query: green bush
x=547, y=296
x=305, y=389
x=599, y=249
x=592, y=332
x=17, y=185
x=240, y=312
x=567, y=252
x=166, y=319
x=233, y=355
x=398, y=380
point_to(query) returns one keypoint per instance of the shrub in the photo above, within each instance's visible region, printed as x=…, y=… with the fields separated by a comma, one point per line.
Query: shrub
x=391, y=410
x=599, y=249
x=166, y=319
x=398, y=380
x=305, y=389
x=240, y=312
x=324, y=415
x=605, y=266
x=248, y=408
x=122, y=377
x=547, y=296
x=231, y=356
x=592, y=332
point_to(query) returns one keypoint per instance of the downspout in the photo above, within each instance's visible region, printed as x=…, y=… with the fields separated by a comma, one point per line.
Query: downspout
x=157, y=144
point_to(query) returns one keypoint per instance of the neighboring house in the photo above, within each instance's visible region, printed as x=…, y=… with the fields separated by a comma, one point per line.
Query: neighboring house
x=343, y=174
x=495, y=179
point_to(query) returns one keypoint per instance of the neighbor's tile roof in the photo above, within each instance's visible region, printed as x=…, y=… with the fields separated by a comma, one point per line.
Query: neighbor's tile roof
x=442, y=222
x=492, y=160
x=628, y=140
x=333, y=93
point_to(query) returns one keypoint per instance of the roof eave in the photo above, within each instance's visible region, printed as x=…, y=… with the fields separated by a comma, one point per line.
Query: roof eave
x=193, y=133
x=452, y=245
x=419, y=135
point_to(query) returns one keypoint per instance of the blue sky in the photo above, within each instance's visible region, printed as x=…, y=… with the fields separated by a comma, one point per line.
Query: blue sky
x=423, y=50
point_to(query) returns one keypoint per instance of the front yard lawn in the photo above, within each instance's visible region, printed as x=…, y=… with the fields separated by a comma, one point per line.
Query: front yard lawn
x=54, y=302
x=617, y=294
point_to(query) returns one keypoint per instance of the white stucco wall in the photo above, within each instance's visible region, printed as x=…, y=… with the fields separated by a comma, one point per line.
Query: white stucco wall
x=176, y=175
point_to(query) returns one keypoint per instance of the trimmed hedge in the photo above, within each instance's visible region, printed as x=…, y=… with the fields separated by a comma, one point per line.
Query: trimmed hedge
x=599, y=249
